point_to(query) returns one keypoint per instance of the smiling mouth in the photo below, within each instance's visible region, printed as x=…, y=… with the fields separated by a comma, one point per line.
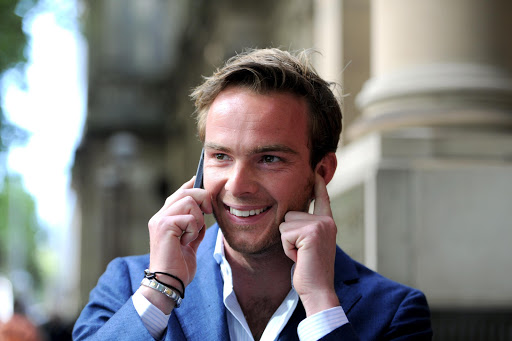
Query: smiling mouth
x=239, y=213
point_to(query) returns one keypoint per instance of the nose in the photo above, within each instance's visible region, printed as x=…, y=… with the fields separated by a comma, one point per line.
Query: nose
x=241, y=180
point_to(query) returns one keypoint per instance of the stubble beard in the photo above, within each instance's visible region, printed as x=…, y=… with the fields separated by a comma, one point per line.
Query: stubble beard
x=272, y=243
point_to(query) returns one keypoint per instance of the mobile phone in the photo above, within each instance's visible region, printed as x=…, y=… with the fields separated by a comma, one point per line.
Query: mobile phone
x=198, y=183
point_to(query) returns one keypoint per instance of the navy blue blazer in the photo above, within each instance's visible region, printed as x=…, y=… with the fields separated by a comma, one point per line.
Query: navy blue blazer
x=377, y=308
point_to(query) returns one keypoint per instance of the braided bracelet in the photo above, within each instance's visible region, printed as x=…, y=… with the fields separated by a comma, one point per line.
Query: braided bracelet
x=152, y=275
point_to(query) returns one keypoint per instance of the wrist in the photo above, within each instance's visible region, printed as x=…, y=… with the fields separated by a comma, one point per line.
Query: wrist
x=159, y=300
x=319, y=301
x=168, y=280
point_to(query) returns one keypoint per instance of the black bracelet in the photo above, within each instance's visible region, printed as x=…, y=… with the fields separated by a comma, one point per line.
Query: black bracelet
x=152, y=275
x=170, y=287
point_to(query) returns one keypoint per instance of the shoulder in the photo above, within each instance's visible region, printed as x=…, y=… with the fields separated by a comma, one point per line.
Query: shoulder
x=129, y=263
x=379, y=286
x=394, y=308
x=378, y=307
x=349, y=271
x=128, y=271
x=372, y=290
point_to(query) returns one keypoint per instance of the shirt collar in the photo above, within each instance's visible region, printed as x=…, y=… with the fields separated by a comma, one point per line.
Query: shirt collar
x=218, y=252
x=237, y=323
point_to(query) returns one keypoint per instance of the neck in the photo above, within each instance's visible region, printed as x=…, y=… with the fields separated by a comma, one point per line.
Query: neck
x=270, y=267
x=264, y=275
x=261, y=283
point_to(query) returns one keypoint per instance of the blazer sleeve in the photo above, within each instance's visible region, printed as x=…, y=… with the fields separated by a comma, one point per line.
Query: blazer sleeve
x=110, y=314
x=345, y=333
x=411, y=321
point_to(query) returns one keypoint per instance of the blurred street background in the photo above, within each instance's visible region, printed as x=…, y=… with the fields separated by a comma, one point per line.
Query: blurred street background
x=96, y=130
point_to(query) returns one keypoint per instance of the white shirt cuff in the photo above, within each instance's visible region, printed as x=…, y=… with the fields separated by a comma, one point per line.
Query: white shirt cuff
x=153, y=318
x=320, y=324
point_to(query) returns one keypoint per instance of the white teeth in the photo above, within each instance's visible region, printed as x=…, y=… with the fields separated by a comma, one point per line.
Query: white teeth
x=239, y=213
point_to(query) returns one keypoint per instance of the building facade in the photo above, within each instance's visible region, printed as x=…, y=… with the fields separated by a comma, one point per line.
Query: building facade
x=423, y=189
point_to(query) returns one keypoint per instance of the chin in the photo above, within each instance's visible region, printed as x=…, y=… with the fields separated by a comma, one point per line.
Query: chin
x=255, y=250
x=249, y=244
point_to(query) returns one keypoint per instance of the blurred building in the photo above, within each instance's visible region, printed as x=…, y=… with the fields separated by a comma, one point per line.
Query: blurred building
x=423, y=189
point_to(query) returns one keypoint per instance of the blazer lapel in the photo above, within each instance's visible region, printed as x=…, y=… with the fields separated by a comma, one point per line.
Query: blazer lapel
x=289, y=332
x=202, y=314
x=345, y=278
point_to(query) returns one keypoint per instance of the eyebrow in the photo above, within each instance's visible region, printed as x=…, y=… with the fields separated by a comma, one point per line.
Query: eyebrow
x=258, y=150
x=274, y=148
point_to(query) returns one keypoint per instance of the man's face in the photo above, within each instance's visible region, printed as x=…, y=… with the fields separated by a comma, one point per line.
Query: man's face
x=256, y=165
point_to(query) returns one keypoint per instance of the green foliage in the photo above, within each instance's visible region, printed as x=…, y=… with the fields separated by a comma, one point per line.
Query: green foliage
x=12, y=38
x=19, y=227
x=13, y=41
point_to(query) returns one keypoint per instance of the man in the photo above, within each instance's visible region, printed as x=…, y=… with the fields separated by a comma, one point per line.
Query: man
x=268, y=269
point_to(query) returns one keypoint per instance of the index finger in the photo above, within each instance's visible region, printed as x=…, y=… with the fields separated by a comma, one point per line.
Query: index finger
x=322, y=203
x=201, y=197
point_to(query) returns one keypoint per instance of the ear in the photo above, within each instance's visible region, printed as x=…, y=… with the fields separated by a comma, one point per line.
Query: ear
x=327, y=166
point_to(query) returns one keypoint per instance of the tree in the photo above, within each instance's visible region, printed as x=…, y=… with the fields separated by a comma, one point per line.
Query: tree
x=13, y=41
x=19, y=227
x=18, y=219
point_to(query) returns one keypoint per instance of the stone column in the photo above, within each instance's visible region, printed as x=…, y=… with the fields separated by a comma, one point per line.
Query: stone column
x=341, y=35
x=427, y=177
x=438, y=63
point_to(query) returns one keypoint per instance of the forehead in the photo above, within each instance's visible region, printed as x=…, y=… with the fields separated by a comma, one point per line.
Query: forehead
x=242, y=113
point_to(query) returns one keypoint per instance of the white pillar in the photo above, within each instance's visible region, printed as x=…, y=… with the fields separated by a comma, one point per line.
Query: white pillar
x=438, y=62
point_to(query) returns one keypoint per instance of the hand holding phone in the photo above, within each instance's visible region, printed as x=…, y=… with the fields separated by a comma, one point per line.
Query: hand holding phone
x=175, y=233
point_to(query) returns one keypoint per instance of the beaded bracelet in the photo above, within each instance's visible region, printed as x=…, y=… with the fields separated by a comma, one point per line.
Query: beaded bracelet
x=152, y=275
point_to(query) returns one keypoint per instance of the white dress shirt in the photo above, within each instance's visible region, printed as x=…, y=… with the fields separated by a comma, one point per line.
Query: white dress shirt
x=311, y=328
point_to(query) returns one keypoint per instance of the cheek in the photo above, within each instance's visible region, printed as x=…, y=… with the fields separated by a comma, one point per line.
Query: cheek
x=292, y=189
x=280, y=191
x=299, y=193
x=212, y=181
